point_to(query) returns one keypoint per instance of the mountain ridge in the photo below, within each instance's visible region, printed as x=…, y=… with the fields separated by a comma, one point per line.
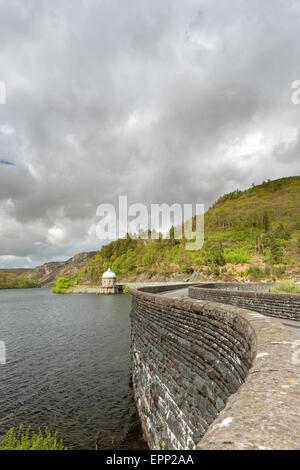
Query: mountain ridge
x=48, y=272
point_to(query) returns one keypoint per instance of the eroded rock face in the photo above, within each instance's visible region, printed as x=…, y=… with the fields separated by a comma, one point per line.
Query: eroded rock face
x=212, y=376
x=49, y=272
x=196, y=276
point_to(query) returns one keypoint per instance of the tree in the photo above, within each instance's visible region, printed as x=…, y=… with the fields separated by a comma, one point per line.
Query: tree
x=266, y=222
x=172, y=240
x=283, y=233
x=276, y=251
x=215, y=256
x=61, y=285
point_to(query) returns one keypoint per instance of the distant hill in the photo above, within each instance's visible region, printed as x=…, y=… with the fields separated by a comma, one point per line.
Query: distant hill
x=12, y=281
x=17, y=271
x=252, y=234
x=49, y=272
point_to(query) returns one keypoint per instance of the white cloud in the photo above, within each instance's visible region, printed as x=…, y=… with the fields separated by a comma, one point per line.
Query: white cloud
x=6, y=129
x=56, y=236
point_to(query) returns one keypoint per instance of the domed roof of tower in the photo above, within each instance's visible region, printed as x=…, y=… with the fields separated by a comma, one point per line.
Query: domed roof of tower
x=109, y=274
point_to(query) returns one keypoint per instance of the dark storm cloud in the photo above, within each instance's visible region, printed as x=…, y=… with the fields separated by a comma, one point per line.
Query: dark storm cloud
x=162, y=101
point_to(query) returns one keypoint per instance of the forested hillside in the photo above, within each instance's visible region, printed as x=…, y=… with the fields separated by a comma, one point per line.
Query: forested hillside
x=13, y=281
x=252, y=234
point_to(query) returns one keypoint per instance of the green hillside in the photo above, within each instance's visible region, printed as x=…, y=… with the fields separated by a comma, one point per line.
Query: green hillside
x=13, y=281
x=252, y=234
x=244, y=209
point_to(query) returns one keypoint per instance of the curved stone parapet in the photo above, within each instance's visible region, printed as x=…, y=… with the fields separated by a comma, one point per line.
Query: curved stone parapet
x=252, y=296
x=212, y=376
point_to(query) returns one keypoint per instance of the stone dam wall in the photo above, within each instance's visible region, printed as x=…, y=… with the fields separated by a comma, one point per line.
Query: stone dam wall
x=253, y=296
x=213, y=376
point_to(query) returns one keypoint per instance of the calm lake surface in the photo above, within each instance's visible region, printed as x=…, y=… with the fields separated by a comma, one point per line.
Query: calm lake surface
x=68, y=364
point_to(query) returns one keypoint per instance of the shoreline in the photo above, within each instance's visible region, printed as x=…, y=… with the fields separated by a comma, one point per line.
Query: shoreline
x=133, y=285
x=85, y=289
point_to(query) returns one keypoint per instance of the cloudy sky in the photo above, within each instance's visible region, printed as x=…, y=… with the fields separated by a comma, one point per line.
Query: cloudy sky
x=162, y=101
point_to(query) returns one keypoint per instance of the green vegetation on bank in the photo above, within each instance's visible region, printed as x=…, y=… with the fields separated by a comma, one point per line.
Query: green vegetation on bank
x=27, y=439
x=252, y=234
x=286, y=286
x=61, y=285
x=12, y=281
x=126, y=289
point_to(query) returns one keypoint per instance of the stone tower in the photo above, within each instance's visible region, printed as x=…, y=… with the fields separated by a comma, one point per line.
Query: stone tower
x=109, y=285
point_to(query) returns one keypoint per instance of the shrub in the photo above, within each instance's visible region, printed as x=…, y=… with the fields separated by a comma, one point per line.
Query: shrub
x=286, y=286
x=26, y=439
x=215, y=256
x=267, y=254
x=279, y=271
x=267, y=271
x=199, y=260
x=148, y=259
x=126, y=289
x=30, y=283
x=230, y=273
x=254, y=272
x=283, y=233
x=213, y=269
x=61, y=285
x=236, y=255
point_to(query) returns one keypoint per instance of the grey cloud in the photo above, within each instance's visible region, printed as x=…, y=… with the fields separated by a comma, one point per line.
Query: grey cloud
x=162, y=101
x=288, y=152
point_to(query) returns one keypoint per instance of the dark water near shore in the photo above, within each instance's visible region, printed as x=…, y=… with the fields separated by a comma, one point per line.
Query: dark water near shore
x=68, y=365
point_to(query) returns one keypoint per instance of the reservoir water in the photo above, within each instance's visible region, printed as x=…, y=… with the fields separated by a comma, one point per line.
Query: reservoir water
x=67, y=365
